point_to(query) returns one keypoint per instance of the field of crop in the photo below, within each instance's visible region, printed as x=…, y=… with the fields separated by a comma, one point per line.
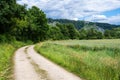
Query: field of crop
x=89, y=59
x=6, y=55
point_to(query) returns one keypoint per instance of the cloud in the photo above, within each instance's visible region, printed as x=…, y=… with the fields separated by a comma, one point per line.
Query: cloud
x=97, y=18
x=114, y=19
x=74, y=9
x=102, y=18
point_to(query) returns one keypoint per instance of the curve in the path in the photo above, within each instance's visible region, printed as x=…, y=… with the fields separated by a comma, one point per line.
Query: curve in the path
x=30, y=65
x=23, y=68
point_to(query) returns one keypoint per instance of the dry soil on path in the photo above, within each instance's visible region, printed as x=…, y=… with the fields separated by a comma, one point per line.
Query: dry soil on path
x=29, y=65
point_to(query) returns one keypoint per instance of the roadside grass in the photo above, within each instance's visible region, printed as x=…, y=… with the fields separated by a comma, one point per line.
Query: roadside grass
x=89, y=59
x=6, y=54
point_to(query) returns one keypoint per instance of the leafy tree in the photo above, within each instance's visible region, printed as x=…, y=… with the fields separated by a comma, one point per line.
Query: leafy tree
x=92, y=34
x=107, y=34
x=21, y=30
x=83, y=34
x=100, y=35
x=63, y=30
x=114, y=33
x=40, y=28
x=30, y=24
x=7, y=10
x=73, y=33
x=55, y=33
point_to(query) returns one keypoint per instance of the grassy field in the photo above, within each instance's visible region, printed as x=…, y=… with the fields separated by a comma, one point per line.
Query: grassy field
x=6, y=54
x=89, y=59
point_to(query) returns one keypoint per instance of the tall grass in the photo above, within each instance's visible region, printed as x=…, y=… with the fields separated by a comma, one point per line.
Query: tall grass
x=113, y=43
x=91, y=62
x=6, y=54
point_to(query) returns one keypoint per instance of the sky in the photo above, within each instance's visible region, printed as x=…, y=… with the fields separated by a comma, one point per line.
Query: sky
x=105, y=11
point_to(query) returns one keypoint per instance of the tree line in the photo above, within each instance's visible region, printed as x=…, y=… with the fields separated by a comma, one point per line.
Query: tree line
x=68, y=31
x=17, y=22
x=80, y=23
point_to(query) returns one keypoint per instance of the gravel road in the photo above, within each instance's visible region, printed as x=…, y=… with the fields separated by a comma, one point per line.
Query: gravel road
x=29, y=65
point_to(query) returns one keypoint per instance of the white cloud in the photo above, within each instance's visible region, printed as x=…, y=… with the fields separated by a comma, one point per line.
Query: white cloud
x=104, y=19
x=114, y=19
x=98, y=18
x=74, y=9
x=76, y=19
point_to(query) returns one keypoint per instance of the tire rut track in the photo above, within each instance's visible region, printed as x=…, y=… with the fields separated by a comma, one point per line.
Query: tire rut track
x=30, y=65
x=42, y=73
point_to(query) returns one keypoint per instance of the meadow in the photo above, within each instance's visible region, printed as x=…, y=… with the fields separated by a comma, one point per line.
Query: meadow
x=6, y=55
x=88, y=59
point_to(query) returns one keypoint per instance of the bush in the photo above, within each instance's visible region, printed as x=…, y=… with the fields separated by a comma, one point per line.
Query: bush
x=6, y=38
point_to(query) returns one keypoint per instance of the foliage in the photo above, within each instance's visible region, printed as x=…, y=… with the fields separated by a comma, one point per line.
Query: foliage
x=88, y=31
x=6, y=14
x=63, y=30
x=114, y=33
x=6, y=38
x=55, y=33
x=90, y=34
x=24, y=24
x=73, y=33
x=38, y=18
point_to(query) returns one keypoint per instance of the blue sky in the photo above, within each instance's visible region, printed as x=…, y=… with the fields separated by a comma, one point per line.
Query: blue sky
x=106, y=11
x=112, y=12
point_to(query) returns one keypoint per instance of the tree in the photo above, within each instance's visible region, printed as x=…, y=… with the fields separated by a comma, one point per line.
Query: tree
x=107, y=34
x=7, y=10
x=114, y=33
x=92, y=34
x=30, y=24
x=83, y=34
x=55, y=33
x=100, y=35
x=40, y=28
x=63, y=30
x=73, y=33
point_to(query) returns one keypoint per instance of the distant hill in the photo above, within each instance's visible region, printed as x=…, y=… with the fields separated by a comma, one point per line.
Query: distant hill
x=88, y=26
x=80, y=24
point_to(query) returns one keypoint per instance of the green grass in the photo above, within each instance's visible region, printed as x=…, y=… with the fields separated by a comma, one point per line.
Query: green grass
x=6, y=55
x=89, y=59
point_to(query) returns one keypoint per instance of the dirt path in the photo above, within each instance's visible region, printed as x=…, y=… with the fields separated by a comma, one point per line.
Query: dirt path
x=29, y=65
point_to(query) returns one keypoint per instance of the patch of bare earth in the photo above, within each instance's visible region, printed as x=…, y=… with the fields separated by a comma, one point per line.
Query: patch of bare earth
x=29, y=65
